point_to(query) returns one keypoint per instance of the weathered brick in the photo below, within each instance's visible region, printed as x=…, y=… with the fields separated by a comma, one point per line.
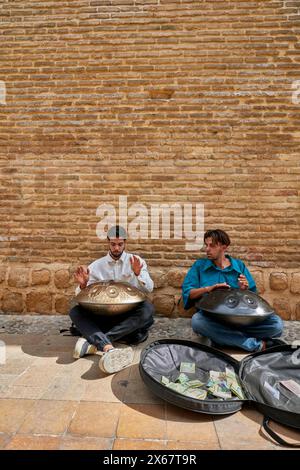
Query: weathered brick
x=175, y=277
x=278, y=281
x=18, y=277
x=295, y=283
x=282, y=308
x=39, y=302
x=12, y=302
x=259, y=281
x=40, y=277
x=62, y=278
x=62, y=304
x=163, y=94
x=164, y=304
x=159, y=278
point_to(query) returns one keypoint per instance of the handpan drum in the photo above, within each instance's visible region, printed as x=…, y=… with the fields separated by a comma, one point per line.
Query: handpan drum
x=110, y=298
x=235, y=306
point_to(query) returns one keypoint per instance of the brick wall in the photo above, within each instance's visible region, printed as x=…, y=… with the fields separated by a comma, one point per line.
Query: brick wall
x=157, y=100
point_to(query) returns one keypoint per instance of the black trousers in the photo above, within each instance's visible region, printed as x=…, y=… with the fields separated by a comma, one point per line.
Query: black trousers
x=102, y=330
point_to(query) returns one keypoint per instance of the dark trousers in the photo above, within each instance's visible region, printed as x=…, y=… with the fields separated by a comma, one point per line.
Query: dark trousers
x=101, y=330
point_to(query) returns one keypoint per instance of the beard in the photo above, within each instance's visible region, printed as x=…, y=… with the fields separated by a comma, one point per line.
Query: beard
x=115, y=256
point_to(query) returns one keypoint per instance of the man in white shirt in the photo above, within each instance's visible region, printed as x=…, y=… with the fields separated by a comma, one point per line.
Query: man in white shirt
x=98, y=333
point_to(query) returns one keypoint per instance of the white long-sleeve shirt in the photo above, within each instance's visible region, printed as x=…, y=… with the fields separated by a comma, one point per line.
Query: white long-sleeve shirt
x=107, y=269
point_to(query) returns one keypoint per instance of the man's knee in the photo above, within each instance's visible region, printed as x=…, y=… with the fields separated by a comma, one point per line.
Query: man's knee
x=147, y=312
x=198, y=323
x=74, y=313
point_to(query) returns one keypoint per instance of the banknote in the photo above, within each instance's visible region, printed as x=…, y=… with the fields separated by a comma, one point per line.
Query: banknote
x=233, y=383
x=164, y=380
x=220, y=382
x=195, y=393
x=224, y=386
x=218, y=392
x=217, y=375
x=195, y=383
x=237, y=390
x=188, y=367
x=182, y=378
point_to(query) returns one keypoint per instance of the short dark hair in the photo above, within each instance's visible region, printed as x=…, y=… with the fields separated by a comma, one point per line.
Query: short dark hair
x=218, y=236
x=117, y=232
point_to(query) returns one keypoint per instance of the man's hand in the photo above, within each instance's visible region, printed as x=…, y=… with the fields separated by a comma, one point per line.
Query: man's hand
x=243, y=283
x=221, y=285
x=136, y=265
x=81, y=275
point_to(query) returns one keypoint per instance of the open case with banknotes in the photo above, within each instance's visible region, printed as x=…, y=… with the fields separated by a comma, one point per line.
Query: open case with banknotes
x=206, y=380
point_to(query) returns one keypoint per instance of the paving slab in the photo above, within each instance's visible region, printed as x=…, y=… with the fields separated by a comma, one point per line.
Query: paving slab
x=48, y=400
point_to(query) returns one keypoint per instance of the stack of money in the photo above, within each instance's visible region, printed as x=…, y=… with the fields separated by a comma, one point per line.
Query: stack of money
x=233, y=383
x=182, y=378
x=217, y=385
x=185, y=385
x=220, y=385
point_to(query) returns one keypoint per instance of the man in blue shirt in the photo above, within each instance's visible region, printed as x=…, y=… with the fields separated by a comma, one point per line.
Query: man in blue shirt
x=221, y=270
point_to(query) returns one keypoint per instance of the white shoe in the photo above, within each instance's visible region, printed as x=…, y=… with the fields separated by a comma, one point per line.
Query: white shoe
x=82, y=348
x=116, y=359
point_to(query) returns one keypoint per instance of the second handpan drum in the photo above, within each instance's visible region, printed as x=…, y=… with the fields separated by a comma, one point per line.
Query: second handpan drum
x=110, y=297
x=235, y=306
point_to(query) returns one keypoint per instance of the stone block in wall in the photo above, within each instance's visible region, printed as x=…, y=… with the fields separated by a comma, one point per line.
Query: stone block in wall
x=62, y=278
x=18, y=277
x=39, y=302
x=40, y=277
x=295, y=283
x=175, y=277
x=164, y=304
x=62, y=304
x=72, y=269
x=278, y=281
x=12, y=302
x=2, y=273
x=259, y=280
x=282, y=308
x=71, y=290
x=159, y=278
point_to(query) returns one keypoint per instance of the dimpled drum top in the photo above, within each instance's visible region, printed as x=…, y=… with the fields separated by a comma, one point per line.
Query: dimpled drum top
x=110, y=297
x=235, y=306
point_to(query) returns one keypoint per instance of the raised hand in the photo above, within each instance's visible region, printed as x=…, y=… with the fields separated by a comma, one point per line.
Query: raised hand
x=81, y=275
x=136, y=265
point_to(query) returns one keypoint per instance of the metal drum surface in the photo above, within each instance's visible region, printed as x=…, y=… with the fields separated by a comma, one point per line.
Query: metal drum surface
x=235, y=306
x=110, y=297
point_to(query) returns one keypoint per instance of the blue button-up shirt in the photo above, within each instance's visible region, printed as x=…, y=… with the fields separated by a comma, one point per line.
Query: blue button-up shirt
x=205, y=273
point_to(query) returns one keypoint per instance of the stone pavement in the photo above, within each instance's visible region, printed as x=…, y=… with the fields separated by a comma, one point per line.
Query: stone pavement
x=50, y=401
